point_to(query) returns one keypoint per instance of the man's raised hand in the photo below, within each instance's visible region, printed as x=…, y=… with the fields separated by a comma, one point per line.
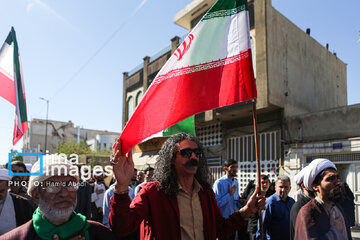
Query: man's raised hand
x=123, y=168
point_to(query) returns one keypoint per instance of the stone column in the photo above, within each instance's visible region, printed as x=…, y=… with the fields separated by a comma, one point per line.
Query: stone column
x=145, y=73
x=124, y=117
x=174, y=44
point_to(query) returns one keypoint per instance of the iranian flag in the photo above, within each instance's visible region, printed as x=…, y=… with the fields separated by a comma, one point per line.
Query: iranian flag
x=211, y=68
x=12, y=83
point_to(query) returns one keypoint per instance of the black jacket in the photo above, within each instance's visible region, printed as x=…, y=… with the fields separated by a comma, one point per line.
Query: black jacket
x=302, y=200
x=23, y=209
x=83, y=196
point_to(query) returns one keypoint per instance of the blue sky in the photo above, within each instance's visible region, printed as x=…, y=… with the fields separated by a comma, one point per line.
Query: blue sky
x=69, y=56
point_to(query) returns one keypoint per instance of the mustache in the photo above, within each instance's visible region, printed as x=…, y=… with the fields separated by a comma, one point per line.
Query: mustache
x=65, y=200
x=191, y=162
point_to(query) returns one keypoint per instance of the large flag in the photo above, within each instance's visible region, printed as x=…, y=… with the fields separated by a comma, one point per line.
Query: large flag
x=12, y=83
x=211, y=68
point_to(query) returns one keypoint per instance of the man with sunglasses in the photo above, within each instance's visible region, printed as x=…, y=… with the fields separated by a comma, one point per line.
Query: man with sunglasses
x=180, y=203
x=55, y=193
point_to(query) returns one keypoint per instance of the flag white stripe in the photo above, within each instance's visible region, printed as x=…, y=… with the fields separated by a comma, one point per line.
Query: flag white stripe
x=18, y=116
x=7, y=60
x=207, y=37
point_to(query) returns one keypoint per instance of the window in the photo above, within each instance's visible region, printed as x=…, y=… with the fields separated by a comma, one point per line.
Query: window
x=130, y=107
x=138, y=97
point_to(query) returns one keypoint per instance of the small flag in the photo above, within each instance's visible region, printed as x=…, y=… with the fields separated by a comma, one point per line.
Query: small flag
x=12, y=83
x=211, y=68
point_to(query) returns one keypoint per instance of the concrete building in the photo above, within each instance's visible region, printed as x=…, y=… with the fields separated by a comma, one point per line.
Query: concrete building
x=333, y=134
x=58, y=132
x=102, y=141
x=294, y=75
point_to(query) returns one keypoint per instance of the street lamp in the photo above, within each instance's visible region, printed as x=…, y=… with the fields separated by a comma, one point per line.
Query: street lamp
x=47, y=112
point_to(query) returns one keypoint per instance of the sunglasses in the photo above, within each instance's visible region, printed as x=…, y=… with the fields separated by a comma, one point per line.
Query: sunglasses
x=187, y=152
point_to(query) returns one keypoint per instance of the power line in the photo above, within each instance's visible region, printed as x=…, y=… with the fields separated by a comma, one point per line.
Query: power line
x=100, y=49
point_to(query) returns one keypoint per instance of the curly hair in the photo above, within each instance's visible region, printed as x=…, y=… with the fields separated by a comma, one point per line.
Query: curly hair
x=165, y=172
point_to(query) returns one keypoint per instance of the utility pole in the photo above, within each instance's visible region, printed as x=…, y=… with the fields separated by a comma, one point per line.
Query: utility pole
x=47, y=114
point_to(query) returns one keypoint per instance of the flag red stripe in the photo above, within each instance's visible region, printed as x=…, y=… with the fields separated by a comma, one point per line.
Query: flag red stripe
x=17, y=133
x=7, y=89
x=179, y=97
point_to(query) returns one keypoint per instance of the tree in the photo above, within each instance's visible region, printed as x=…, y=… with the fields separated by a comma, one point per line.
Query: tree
x=71, y=146
x=16, y=157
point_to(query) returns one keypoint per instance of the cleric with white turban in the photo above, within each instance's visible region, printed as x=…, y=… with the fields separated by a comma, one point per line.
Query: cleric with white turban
x=299, y=177
x=314, y=168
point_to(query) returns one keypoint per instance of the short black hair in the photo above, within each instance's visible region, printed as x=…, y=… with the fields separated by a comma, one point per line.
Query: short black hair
x=264, y=177
x=148, y=169
x=18, y=164
x=229, y=162
x=321, y=175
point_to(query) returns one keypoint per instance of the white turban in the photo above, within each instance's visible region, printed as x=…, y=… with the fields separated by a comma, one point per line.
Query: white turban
x=299, y=177
x=50, y=169
x=314, y=168
x=4, y=174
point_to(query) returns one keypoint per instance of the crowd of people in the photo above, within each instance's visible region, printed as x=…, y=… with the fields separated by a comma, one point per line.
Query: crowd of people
x=17, y=206
x=324, y=207
x=174, y=200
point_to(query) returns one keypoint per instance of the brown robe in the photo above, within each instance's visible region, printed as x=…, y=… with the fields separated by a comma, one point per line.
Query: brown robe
x=312, y=222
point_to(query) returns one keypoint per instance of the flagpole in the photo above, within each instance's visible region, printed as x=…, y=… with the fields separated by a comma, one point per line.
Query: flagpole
x=258, y=170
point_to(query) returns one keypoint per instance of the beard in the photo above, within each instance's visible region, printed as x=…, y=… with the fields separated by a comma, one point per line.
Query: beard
x=53, y=214
x=232, y=174
x=333, y=195
x=16, y=179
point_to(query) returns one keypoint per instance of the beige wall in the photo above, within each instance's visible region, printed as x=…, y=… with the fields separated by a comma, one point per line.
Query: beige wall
x=261, y=68
x=336, y=123
x=298, y=66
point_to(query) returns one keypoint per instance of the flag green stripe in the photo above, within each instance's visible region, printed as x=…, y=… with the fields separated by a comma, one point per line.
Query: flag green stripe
x=225, y=8
x=9, y=40
x=187, y=126
x=20, y=93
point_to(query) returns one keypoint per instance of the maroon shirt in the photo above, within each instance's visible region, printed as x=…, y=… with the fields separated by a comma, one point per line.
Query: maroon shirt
x=312, y=222
x=159, y=215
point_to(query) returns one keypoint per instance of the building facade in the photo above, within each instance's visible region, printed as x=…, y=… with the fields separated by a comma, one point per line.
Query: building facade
x=59, y=132
x=294, y=75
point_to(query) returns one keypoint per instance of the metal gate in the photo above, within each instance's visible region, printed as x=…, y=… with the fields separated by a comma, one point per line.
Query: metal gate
x=242, y=149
